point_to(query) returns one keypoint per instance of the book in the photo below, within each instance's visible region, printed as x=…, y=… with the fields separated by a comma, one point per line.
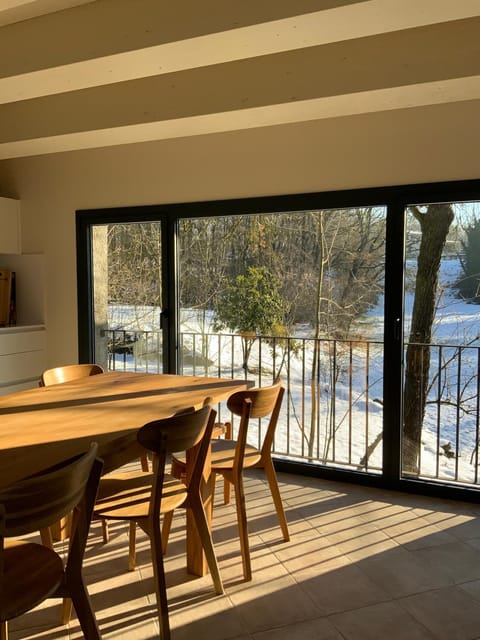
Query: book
x=12, y=316
x=5, y=296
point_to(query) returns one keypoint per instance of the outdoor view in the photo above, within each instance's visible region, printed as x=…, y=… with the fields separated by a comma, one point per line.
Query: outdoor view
x=441, y=394
x=300, y=295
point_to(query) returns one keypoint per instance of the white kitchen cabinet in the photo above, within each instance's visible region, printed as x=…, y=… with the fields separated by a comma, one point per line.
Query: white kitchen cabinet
x=23, y=346
x=22, y=357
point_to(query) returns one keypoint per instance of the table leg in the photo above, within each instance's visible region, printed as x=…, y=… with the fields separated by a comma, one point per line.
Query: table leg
x=196, y=561
x=61, y=529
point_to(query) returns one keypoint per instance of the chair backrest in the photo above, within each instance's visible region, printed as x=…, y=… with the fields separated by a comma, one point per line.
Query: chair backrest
x=258, y=402
x=40, y=501
x=68, y=372
x=43, y=499
x=180, y=432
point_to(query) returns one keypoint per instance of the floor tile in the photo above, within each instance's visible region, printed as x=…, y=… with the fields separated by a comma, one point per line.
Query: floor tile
x=385, y=620
x=319, y=629
x=449, y=614
x=273, y=598
x=458, y=560
x=400, y=573
x=345, y=587
x=361, y=564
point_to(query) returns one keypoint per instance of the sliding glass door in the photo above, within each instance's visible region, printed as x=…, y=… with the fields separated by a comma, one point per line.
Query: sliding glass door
x=441, y=332
x=296, y=295
x=367, y=309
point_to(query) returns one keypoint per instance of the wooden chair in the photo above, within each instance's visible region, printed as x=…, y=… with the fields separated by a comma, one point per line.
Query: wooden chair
x=230, y=457
x=59, y=375
x=68, y=372
x=31, y=572
x=141, y=497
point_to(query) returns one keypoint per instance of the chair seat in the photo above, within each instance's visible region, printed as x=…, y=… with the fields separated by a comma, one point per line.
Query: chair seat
x=126, y=495
x=222, y=456
x=30, y=572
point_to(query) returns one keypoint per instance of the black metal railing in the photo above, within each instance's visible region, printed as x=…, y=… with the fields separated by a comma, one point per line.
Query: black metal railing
x=333, y=412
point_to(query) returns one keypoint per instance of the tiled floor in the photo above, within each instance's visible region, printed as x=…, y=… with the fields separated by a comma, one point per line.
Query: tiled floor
x=361, y=564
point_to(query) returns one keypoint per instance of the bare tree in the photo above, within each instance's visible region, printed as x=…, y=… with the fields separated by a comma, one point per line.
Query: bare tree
x=349, y=279
x=134, y=264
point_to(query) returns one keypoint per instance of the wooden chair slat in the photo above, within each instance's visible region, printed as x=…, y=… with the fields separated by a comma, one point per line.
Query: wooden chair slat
x=68, y=372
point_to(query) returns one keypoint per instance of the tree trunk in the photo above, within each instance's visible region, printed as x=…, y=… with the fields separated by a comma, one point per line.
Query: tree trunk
x=434, y=225
x=315, y=410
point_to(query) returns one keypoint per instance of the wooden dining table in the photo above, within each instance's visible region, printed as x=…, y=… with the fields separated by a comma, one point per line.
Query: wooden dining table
x=43, y=426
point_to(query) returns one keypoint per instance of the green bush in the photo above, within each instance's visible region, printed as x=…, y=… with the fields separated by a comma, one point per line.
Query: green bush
x=251, y=303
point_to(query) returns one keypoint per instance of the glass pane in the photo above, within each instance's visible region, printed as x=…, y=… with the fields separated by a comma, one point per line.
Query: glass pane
x=442, y=276
x=127, y=296
x=297, y=295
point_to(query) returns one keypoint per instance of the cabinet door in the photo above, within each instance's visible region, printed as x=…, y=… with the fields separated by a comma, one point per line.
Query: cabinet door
x=9, y=225
x=22, y=359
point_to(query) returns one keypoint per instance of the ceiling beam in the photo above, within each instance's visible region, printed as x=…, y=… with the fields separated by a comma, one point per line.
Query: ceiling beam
x=17, y=10
x=329, y=81
x=109, y=72
x=41, y=71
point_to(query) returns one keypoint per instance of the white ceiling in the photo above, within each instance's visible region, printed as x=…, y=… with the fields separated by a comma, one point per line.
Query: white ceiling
x=84, y=74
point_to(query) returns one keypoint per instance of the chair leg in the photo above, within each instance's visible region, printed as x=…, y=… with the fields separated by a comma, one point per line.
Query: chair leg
x=47, y=541
x=277, y=499
x=4, y=630
x=207, y=542
x=46, y=537
x=144, y=462
x=242, y=526
x=159, y=578
x=226, y=483
x=166, y=527
x=132, y=555
x=226, y=491
x=105, y=532
x=66, y=610
x=84, y=610
x=67, y=603
x=213, y=481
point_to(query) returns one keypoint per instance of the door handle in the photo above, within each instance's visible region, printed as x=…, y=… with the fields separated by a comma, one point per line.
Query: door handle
x=163, y=318
x=397, y=329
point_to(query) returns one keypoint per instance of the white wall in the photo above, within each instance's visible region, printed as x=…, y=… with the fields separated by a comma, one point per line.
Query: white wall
x=413, y=145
